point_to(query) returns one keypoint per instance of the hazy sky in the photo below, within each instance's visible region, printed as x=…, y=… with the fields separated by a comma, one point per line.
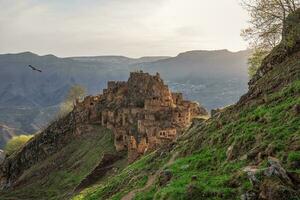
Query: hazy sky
x=120, y=27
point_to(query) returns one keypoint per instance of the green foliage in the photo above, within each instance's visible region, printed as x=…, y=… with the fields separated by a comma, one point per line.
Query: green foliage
x=267, y=20
x=16, y=143
x=255, y=60
x=75, y=92
x=294, y=156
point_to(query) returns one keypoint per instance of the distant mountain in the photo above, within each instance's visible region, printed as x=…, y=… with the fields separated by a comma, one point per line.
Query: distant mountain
x=215, y=78
x=29, y=99
x=202, y=64
x=121, y=60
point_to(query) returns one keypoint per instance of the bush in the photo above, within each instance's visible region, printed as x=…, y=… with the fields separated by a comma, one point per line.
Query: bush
x=16, y=143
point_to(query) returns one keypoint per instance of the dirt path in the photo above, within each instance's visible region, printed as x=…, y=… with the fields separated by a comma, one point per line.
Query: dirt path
x=150, y=181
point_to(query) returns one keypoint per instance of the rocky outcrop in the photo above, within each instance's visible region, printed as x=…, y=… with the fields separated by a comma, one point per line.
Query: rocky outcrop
x=142, y=113
x=271, y=183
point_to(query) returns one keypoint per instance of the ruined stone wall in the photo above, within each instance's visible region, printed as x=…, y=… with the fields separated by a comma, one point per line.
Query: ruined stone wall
x=142, y=113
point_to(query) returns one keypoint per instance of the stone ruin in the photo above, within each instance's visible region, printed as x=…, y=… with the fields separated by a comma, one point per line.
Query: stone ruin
x=142, y=113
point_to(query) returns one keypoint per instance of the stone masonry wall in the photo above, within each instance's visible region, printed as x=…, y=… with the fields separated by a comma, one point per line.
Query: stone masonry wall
x=142, y=113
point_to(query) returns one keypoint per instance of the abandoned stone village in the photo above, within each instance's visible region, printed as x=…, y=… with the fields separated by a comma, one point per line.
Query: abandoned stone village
x=142, y=113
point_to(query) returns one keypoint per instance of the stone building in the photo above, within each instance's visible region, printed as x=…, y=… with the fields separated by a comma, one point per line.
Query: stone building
x=142, y=113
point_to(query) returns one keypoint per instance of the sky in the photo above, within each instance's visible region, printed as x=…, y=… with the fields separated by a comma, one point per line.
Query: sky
x=131, y=28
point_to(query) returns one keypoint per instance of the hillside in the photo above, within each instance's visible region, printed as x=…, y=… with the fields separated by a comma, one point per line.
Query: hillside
x=250, y=150
x=128, y=120
x=29, y=100
x=63, y=162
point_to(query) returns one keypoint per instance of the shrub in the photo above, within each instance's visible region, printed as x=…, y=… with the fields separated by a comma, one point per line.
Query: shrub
x=16, y=143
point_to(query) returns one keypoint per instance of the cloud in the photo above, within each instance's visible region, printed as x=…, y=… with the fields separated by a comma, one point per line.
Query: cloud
x=127, y=27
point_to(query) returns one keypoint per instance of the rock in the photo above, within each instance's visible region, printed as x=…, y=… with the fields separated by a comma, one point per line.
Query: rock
x=244, y=157
x=252, y=172
x=164, y=177
x=232, y=152
x=194, y=178
x=271, y=189
x=250, y=195
x=215, y=112
x=271, y=183
x=2, y=156
x=275, y=169
x=270, y=150
x=296, y=109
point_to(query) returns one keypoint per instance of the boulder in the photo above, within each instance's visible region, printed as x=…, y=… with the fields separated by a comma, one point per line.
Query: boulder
x=252, y=174
x=215, y=112
x=271, y=183
x=272, y=189
x=275, y=169
x=296, y=109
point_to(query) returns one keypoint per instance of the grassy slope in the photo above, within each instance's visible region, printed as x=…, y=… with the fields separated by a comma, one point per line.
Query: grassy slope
x=65, y=169
x=264, y=125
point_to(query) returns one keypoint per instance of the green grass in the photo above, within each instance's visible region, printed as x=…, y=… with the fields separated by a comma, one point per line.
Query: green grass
x=264, y=125
x=132, y=177
x=64, y=170
x=294, y=156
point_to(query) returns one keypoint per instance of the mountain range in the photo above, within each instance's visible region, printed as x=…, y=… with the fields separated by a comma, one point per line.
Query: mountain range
x=29, y=99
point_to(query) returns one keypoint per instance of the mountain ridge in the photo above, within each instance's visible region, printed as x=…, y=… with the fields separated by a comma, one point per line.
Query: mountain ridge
x=24, y=92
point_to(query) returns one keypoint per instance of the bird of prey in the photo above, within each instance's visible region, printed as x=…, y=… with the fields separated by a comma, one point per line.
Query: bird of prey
x=34, y=69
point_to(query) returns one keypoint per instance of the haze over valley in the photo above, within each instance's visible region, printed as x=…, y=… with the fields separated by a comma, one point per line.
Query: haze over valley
x=29, y=100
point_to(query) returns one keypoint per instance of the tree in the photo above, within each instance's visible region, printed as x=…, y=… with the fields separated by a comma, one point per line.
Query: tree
x=267, y=20
x=75, y=92
x=16, y=143
x=254, y=61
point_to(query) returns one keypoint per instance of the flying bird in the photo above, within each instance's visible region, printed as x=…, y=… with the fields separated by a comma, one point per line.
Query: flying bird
x=34, y=69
